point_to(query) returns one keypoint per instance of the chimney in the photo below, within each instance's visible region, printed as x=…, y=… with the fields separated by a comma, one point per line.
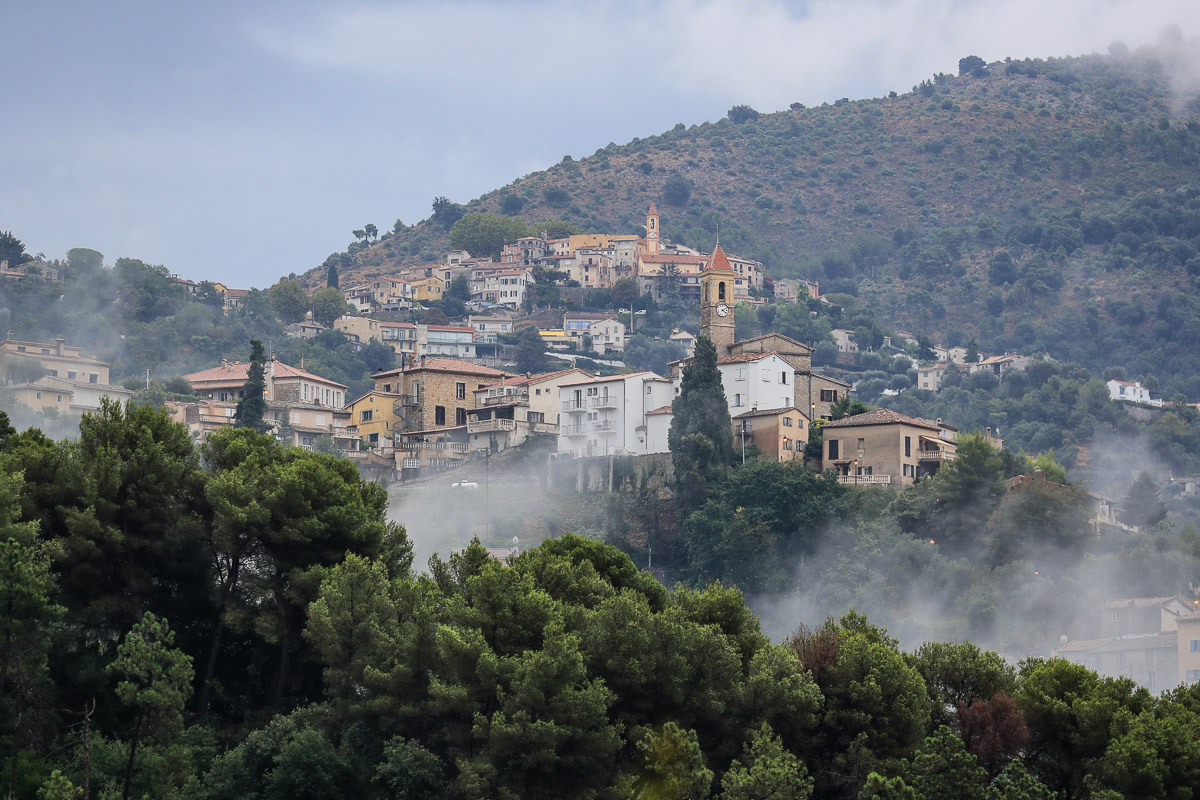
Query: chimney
x=224, y=363
x=422, y=361
x=58, y=344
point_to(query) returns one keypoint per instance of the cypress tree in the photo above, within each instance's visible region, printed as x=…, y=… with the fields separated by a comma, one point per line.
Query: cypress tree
x=252, y=407
x=701, y=434
x=331, y=277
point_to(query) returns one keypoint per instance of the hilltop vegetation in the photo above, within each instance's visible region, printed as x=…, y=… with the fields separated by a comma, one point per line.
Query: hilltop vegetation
x=1031, y=205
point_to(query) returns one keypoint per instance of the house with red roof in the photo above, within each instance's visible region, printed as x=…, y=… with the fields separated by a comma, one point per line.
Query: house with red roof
x=285, y=383
x=436, y=392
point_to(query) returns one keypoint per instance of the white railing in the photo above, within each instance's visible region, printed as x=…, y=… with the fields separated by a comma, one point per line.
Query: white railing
x=489, y=425
x=865, y=480
x=574, y=430
x=574, y=405
x=935, y=455
x=603, y=401
x=602, y=427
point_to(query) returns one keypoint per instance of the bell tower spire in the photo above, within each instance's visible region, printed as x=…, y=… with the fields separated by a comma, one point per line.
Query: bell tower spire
x=652, y=231
x=716, y=301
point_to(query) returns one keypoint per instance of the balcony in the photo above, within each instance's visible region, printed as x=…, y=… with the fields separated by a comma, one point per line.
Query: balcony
x=502, y=399
x=574, y=406
x=459, y=447
x=543, y=427
x=865, y=480
x=935, y=455
x=603, y=401
x=409, y=400
x=491, y=425
x=574, y=430
x=603, y=427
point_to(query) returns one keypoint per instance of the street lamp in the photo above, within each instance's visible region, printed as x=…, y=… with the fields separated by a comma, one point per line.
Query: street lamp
x=854, y=466
x=631, y=314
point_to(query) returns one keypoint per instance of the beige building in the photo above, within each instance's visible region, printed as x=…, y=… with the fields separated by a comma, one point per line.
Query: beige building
x=886, y=448
x=930, y=378
x=375, y=416
x=1154, y=641
x=510, y=411
x=436, y=392
x=780, y=433
x=71, y=383
x=284, y=384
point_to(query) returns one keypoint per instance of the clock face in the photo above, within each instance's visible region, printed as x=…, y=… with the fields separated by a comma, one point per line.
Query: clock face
x=722, y=310
x=653, y=235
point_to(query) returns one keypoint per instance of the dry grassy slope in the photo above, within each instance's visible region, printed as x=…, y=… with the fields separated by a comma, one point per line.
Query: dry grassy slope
x=854, y=169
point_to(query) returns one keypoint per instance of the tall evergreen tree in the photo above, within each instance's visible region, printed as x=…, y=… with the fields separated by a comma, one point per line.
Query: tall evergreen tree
x=331, y=277
x=701, y=434
x=252, y=408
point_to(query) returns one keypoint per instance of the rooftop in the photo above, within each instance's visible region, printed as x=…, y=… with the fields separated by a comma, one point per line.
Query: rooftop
x=239, y=370
x=881, y=416
x=448, y=365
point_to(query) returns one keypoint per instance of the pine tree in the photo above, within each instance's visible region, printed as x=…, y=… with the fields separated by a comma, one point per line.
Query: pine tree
x=1143, y=505
x=252, y=408
x=701, y=434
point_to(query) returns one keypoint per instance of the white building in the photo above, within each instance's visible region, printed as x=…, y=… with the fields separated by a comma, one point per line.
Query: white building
x=607, y=416
x=607, y=332
x=755, y=381
x=503, y=287
x=1132, y=393
x=844, y=340
x=488, y=328
x=452, y=341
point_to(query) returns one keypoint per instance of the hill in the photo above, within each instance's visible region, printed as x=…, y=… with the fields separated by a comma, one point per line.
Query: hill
x=1020, y=204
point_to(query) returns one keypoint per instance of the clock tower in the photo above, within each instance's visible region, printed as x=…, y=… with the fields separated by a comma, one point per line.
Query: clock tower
x=716, y=301
x=652, y=231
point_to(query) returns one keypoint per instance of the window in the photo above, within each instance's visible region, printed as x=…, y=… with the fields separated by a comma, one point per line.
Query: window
x=766, y=376
x=320, y=419
x=833, y=450
x=93, y=377
x=829, y=395
x=439, y=415
x=862, y=445
x=741, y=373
x=783, y=378
x=537, y=416
x=460, y=416
x=460, y=391
x=39, y=395
x=787, y=443
x=53, y=372
x=72, y=375
x=1194, y=646
x=737, y=400
x=367, y=415
x=787, y=422
x=907, y=446
x=373, y=438
x=412, y=463
x=293, y=417
x=910, y=471
x=1120, y=659
x=1193, y=675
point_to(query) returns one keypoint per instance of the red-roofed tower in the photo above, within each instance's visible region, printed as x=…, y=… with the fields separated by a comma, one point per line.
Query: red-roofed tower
x=716, y=301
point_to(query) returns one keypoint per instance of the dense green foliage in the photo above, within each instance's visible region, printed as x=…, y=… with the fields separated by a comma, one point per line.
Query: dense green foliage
x=700, y=436
x=323, y=666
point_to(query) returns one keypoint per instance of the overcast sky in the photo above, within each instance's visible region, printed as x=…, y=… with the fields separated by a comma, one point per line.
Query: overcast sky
x=240, y=141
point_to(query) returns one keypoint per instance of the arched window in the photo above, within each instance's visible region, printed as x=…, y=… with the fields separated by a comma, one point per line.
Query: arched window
x=721, y=290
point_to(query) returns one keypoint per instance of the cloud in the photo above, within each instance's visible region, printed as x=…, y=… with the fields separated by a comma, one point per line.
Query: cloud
x=568, y=56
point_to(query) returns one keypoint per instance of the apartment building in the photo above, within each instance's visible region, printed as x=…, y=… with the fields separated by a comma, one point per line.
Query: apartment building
x=436, y=392
x=884, y=447
x=607, y=416
x=284, y=384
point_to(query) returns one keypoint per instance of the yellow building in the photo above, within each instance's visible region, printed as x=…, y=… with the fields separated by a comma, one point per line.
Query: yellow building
x=430, y=288
x=42, y=397
x=595, y=241
x=374, y=416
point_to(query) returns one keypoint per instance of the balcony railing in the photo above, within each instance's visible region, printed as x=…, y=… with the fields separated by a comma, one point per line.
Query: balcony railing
x=935, y=455
x=574, y=405
x=574, y=430
x=603, y=427
x=490, y=425
x=603, y=401
x=543, y=427
x=409, y=400
x=499, y=399
x=865, y=480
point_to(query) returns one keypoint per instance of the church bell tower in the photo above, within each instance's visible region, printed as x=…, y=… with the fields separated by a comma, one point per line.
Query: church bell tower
x=716, y=301
x=652, y=231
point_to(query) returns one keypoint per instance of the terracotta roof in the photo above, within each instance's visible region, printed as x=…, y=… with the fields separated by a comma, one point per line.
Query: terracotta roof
x=449, y=365
x=881, y=416
x=663, y=410
x=742, y=358
x=788, y=339
x=668, y=258
x=652, y=375
x=769, y=412
x=384, y=324
x=241, y=370
x=717, y=261
x=450, y=328
x=1143, y=602
x=538, y=378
